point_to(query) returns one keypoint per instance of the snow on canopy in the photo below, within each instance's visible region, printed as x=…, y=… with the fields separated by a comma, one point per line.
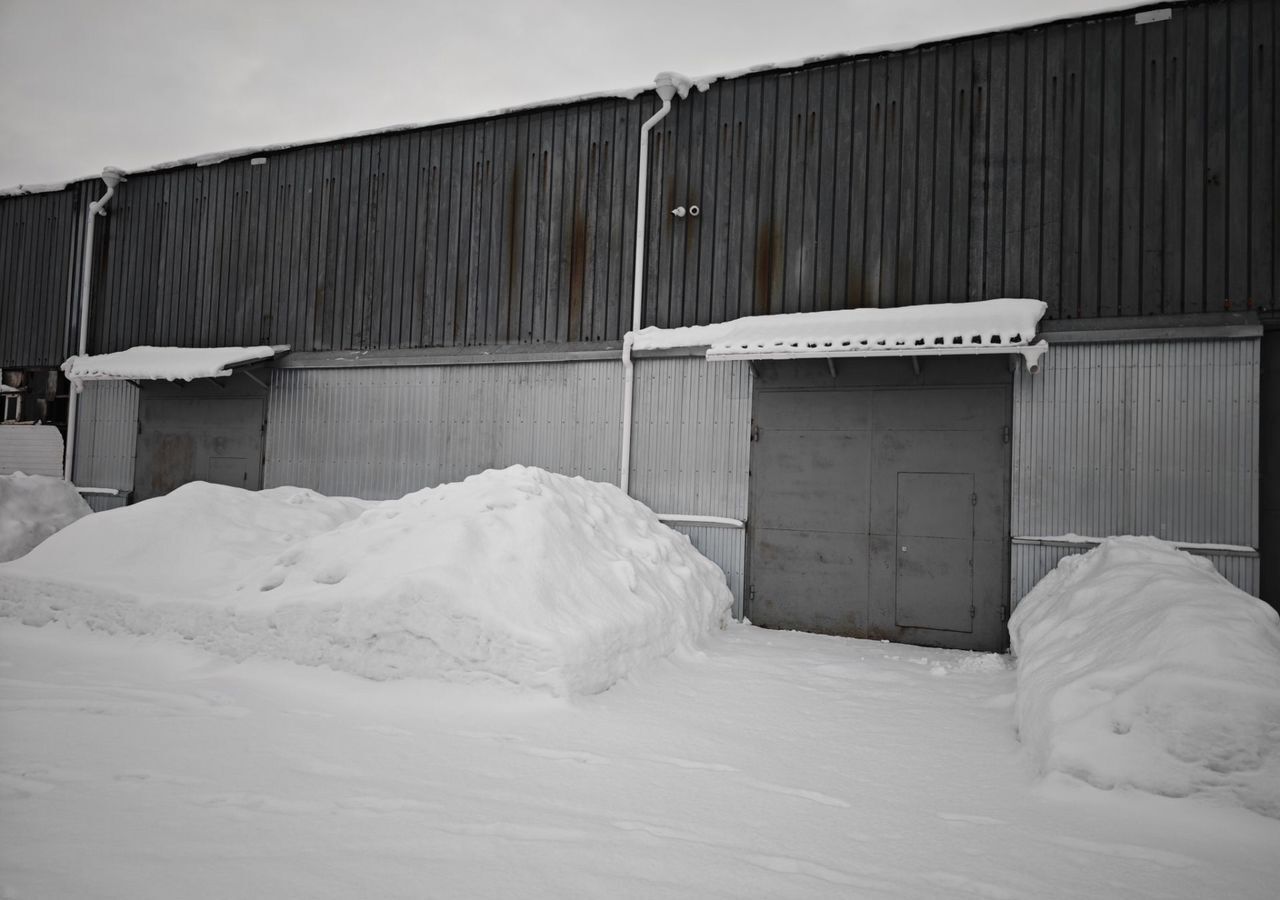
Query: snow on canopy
x=164, y=363
x=518, y=576
x=1140, y=666
x=32, y=507
x=1004, y=323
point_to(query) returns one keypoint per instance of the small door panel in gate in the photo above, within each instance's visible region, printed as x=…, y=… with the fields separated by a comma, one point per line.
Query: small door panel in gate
x=934, y=569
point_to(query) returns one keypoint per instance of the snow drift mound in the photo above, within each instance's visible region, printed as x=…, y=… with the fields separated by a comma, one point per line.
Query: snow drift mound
x=32, y=507
x=517, y=575
x=1140, y=666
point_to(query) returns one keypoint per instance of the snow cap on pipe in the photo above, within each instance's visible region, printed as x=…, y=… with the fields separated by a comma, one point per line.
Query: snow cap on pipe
x=113, y=176
x=668, y=84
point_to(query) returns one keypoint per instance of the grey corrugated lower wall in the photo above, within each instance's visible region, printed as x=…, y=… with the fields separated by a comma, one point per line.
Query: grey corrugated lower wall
x=691, y=446
x=1030, y=563
x=1157, y=438
x=379, y=433
x=106, y=437
x=382, y=432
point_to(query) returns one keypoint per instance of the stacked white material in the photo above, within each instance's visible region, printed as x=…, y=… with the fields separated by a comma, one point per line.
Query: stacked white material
x=32, y=507
x=517, y=575
x=843, y=332
x=1140, y=666
x=164, y=363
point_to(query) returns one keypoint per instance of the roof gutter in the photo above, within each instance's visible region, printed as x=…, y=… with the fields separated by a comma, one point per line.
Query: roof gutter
x=111, y=176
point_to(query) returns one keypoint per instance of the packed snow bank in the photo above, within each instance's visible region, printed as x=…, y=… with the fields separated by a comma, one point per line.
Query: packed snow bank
x=516, y=575
x=1140, y=666
x=32, y=507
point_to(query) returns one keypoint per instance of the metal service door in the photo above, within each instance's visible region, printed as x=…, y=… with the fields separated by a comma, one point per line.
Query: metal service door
x=204, y=431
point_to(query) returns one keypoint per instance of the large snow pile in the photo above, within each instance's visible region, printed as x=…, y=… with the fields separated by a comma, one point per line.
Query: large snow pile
x=517, y=575
x=1140, y=666
x=32, y=507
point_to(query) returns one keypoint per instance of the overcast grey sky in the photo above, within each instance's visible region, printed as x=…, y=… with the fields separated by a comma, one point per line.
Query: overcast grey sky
x=131, y=83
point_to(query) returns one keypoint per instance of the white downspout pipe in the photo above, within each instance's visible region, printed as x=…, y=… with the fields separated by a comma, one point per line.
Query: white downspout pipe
x=665, y=85
x=111, y=177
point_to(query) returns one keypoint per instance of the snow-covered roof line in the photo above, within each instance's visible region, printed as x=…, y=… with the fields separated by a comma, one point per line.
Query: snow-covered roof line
x=165, y=363
x=701, y=83
x=938, y=329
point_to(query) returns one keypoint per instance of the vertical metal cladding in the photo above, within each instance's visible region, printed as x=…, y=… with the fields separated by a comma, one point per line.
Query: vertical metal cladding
x=505, y=230
x=107, y=433
x=691, y=433
x=1030, y=563
x=1106, y=167
x=40, y=258
x=726, y=548
x=1157, y=438
x=379, y=433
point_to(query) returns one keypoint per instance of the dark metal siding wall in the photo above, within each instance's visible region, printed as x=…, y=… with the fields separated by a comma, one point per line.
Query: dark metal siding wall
x=503, y=230
x=1105, y=167
x=40, y=259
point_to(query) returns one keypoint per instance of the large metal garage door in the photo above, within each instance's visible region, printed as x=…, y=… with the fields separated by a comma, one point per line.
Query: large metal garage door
x=879, y=500
x=200, y=431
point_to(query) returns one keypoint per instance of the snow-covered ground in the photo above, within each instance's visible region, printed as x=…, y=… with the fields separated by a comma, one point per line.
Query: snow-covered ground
x=771, y=764
x=519, y=686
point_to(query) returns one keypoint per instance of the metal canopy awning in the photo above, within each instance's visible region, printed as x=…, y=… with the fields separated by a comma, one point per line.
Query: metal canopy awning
x=1030, y=353
x=979, y=328
x=168, y=363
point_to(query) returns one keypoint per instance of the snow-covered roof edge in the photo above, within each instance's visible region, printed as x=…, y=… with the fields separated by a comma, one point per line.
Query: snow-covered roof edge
x=166, y=363
x=702, y=83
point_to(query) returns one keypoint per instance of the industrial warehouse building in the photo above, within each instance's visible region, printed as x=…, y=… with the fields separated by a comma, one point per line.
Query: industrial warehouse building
x=432, y=301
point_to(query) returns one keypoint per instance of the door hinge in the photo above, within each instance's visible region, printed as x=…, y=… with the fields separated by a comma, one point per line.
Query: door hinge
x=973, y=499
x=1006, y=434
x=973, y=611
x=755, y=432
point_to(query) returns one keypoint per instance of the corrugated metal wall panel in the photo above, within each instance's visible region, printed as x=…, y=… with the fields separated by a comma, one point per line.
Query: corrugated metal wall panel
x=381, y=432
x=1106, y=167
x=31, y=450
x=514, y=229
x=1139, y=438
x=40, y=257
x=1028, y=563
x=1155, y=438
x=726, y=547
x=691, y=444
x=1032, y=562
x=691, y=434
x=103, y=502
x=106, y=435
x=1242, y=571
